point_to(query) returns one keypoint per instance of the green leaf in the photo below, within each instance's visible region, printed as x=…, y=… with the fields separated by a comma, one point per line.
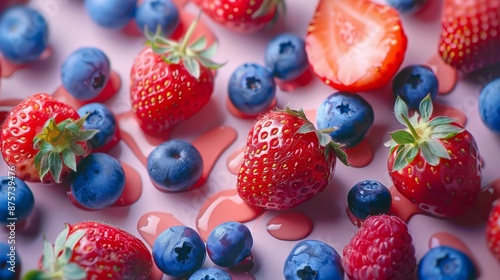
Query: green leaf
x=425, y=108
x=199, y=44
x=73, y=127
x=65, y=256
x=35, y=275
x=412, y=153
x=69, y=159
x=45, y=147
x=48, y=255
x=402, y=137
x=306, y=128
x=172, y=58
x=209, y=63
x=400, y=109
x=77, y=149
x=192, y=66
x=437, y=148
x=85, y=135
x=74, y=237
x=445, y=131
x=38, y=159
x=60, y=239
x=340, y=154
x=401, y=158
x=73, y=271
x=429, y=157
x=263, y=9
x=160, y=50
x=55, y=166
x=44, y=166
x=209, y=52
x=440, y=121
x=324, y=139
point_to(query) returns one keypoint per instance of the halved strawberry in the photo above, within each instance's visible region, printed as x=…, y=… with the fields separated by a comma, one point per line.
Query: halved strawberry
x=355, y=45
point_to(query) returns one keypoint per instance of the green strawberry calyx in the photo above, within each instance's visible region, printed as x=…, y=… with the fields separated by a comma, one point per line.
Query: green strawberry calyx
x=56, y=258
x=324, y=138
x=59, y=144
x=191, y=55
x=267, y=6
x=423, y=134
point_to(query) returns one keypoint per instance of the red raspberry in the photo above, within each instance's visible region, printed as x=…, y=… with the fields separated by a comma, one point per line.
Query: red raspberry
x=381, y=249
x=493, y=231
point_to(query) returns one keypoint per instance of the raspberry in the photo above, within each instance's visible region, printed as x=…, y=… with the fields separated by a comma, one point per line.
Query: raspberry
x=493, y=231
x=381, y=249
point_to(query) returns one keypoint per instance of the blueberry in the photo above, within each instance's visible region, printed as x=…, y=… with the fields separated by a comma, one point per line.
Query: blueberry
x=446, y=263
x=251, y=88
x=489, y=105
x=286, y=56
x=414, y=83
x=99, y=181
x=85, y=73
x=407, y=6
x=179, y=251
x=367, y=198
x=152, y=14
x=15, y=188
x=113, y=14
x=24, y=34
x=10, y=262
x=348, y=114
x=210, y=273
x=313, y=259
x=101, y=118
x=175, y=165
x=229, y=244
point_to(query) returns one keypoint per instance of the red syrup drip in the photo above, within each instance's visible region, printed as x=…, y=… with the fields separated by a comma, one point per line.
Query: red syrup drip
x=358, y=156
x=402, y=207
x=447, y=239
x=301, y=81
x=446, y=75
x=290, y=226
x=224, y=206
x=234, y=161
x=8, y=68
x=487, y=199
x=131, y=192
x=448, y=111
x=237, y=113
x=149, y=226
x=109, y=91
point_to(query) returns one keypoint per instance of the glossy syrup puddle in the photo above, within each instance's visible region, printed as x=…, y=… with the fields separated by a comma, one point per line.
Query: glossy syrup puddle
x=446, y=75
x=447, y=239
x=221, y=207
x=8, y=68
x=402, y=207
x=290, y=226
x=301, y=81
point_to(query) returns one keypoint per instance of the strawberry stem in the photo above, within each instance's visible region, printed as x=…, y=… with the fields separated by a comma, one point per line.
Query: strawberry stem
x=188, y=34
x=411, y=128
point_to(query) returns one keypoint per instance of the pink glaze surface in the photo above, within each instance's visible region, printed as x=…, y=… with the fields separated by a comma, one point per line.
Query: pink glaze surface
x=290, y=226
x=216, y=201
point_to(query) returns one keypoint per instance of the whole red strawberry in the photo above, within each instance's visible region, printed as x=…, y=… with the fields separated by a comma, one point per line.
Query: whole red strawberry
x=42, y=139
x=242, y=15
x=493, y=231
x=94, y=250
x=435, y=162
x=470, y=34
x=170, y=81
x=286, y=161
x=382, y=249
x=355, y=45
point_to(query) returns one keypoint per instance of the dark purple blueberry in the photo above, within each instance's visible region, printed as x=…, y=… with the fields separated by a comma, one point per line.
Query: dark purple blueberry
x=414, y=83
x=113, y=14
x=348, y=114
x=100, y=118
x=286, y=56
x=175, y=165
x=367, y=198
x=489, y=105
x=446, y=263
x=210, y=273
x=17, y=199
x=10, y=268
x=179, y=251
x=99, y=181
x=251, y=88
x=407, y=6
x=154, y=14
x=313, y=259
x=229, y=244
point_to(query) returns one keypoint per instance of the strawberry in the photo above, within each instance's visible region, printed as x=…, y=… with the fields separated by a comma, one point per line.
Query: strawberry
x=355, y=45
x=493, y=231
x=42, y=136
x=435, y=162
x=381, y=249
x=94, y=250
x=171, y=81
x=470, y=34
x=286, y=161
x=242, y=15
